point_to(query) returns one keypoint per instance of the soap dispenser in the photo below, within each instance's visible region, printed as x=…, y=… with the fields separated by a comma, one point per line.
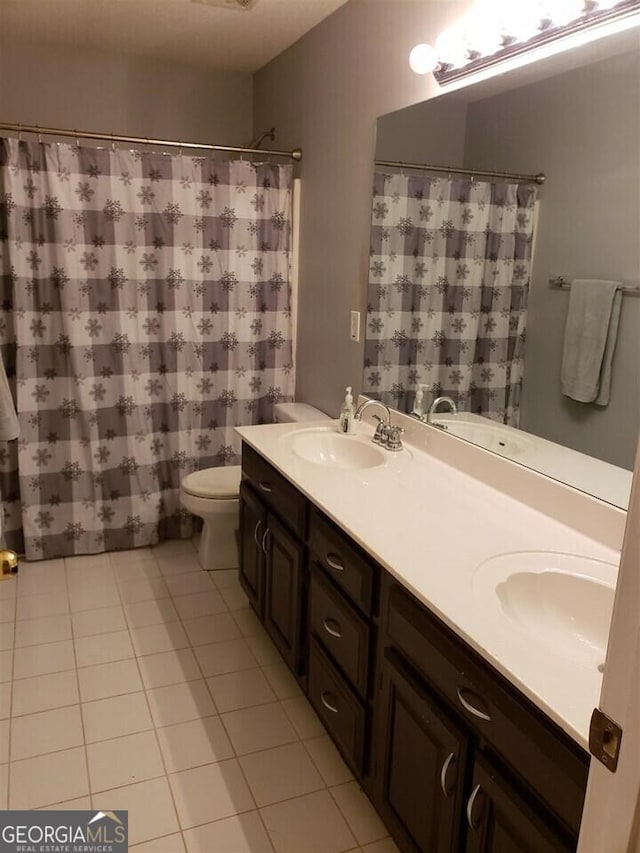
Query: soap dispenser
x=346, y=413
x=418, y=404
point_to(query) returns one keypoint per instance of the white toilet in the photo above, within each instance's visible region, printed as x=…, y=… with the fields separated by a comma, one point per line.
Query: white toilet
x=213, y=495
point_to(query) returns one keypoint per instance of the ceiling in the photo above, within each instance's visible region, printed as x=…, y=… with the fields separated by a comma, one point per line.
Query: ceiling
x=173, y=30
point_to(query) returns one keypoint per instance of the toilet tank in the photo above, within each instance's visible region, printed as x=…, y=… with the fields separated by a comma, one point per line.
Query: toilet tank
x=296, y=412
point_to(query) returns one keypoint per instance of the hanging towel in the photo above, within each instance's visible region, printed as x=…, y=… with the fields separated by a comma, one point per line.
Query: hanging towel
x=9, y=427
x=590, y=340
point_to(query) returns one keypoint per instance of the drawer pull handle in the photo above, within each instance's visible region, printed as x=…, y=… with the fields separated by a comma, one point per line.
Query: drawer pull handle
x=330, y=629
x=325, y=699
x=443, y=774
x=265, y=485
x=470, y=708
x=256, y=533
x=265, y=536
x=334, y=562
x=470, y=805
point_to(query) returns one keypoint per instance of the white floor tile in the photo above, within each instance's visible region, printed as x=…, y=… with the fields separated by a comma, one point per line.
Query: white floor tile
x=7, y=631
x=6, y=665
x=85, y=563
x=219, y=658
x=5, y=703
x=200, y=604
x=244, y=833
x=103, y=648
x=77, y=804
x=150, y=807
x=225, y=578
x=188, y=584
x=109, y=679
x=328, y=760
x=262, y=727
x=47, y=731
x=219, y=628
x=4, y=787
x=115, y=717
x=281, y=773
x=240, y=690
x=282, y=681
x=235, y=598
x=44, y=692
x=47, y=779
x=248, y=622
x=304, y=718
x=7, y=609
x=192, y=744
x=144, y=589
x=181, y=564
x=263, y=649
x=105, y=620
x=154, y=639
x=309, y=824
x=47, y=629
x=36, y=606
x=9, y=588
x=180, y=702
x=54, y=581
x=124, y=761
x=155, y=612
x=167, y=844
x=168, y=668
x=136, y=570
x=5, y=728
x=209, y=793
x=173, y=548
x=362, y=818
x=89, y=596
x=385, y=846
x=43, y=659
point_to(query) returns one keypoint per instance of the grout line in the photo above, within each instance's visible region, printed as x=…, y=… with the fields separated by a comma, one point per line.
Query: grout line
x=13, y=669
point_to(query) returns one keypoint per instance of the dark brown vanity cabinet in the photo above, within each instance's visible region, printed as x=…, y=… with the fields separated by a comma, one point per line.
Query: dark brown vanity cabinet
x=454, y=758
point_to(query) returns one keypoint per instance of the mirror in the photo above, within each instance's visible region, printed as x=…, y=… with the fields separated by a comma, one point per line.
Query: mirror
x=580, y=127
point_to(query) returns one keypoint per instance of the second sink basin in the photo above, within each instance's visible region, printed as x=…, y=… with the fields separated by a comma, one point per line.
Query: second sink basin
x=332, y=449
x=561, y=601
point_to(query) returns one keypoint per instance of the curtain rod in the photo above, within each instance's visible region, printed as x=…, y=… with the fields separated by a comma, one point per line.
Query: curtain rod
x=535, y=179
x=296, y=154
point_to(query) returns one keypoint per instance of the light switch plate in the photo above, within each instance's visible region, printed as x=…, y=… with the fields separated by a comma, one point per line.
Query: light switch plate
x=354, y=326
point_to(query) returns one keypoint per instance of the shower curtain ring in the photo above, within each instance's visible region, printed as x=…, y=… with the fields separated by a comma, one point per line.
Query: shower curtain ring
x=19, y=132
x=113, y=146
x=39, y=135
x=77, y=140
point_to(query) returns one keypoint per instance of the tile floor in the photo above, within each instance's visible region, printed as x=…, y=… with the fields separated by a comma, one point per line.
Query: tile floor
x=136, y=681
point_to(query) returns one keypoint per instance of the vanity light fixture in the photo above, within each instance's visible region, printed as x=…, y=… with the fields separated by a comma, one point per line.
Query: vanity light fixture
x=498, y=30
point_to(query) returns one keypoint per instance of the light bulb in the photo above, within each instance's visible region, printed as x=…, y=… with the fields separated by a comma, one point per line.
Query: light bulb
x=562, y=12
x=603, y=5
x=482, y=33
x=522, y=21
x=451, y=49
x=423, y=59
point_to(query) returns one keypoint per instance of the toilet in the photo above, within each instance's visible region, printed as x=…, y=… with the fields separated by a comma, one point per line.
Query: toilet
x=213, y=495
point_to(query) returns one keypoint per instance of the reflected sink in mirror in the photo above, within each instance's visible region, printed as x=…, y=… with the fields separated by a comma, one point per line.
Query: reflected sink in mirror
x=562, y=602
x=482, y=432
x=331, y=449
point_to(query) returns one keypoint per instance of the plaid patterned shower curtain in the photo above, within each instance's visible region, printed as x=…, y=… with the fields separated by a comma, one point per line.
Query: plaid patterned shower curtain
x=145, y=312
x=448, y=291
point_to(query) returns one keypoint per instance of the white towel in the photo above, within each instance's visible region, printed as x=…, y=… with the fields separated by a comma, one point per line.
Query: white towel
x=590, y=339
x=9, y=426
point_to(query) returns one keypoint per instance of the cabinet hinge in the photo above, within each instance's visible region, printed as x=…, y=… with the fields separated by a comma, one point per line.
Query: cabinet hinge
x=604, y=739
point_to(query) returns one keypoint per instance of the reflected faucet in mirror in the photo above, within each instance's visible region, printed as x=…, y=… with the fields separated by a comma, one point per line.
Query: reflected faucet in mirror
x=433, y=408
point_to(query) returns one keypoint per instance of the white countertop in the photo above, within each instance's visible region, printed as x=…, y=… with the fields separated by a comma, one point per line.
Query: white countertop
x=431, y=525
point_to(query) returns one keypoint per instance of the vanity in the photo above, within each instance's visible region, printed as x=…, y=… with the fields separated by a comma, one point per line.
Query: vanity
x=375, y=574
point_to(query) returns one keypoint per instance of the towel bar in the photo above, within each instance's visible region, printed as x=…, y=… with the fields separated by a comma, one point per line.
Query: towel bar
x=562, y=283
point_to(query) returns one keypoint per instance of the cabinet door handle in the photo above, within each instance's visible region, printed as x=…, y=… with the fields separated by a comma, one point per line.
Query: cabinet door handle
x=256, y=533
x=470, y=708
x=265, y=536
x=335, y=562
x=265, y=485
x=325, y=699
x=443, y=773
x=470, y=805
x=329, y=624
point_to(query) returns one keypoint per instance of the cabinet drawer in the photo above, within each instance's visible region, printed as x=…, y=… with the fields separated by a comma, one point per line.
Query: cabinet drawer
x=340, y=629
x=275, y=490
x=337, y=707
x=538, y=752
x=343, y=562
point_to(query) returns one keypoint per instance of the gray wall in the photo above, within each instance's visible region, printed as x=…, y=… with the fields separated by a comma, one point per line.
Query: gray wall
x=324, y=94
x=582, y=130
x=439, y=139
x=121, y=94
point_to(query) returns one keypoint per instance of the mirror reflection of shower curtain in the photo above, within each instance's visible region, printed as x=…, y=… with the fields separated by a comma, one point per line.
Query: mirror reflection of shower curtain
x=448, y=289
x=145, y=306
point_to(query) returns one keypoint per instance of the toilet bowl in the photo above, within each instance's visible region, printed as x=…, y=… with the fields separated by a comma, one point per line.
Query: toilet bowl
x=213, y=495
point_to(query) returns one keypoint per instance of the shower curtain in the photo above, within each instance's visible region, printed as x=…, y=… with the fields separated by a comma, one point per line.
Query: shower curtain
x=448, y=288
x=145, y=310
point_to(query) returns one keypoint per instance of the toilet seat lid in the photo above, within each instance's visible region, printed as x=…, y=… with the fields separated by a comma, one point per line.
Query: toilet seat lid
x=223, y=482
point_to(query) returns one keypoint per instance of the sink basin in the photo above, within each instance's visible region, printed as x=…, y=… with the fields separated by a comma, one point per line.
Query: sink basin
x=562, y=602
x=332, y=449
x=492, y=436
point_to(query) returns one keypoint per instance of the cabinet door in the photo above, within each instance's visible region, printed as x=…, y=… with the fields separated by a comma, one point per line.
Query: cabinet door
x=499, y=821
x=253, y=526
x=283, y=592
x=420, y=764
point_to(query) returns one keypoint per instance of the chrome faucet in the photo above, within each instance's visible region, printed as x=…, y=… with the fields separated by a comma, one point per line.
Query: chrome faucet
x=385, y=435
x=434, y=407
